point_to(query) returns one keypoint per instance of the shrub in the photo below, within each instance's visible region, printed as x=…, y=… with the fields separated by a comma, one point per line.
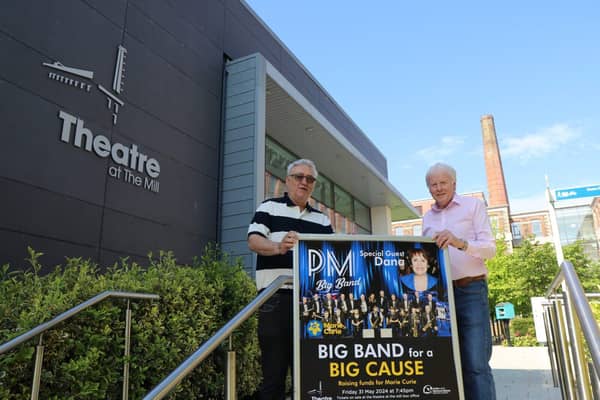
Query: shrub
x=522, y=332
x=83, y=356
x=525, y=341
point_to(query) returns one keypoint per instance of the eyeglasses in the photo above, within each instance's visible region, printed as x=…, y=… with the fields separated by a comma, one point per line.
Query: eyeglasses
x=299, y=178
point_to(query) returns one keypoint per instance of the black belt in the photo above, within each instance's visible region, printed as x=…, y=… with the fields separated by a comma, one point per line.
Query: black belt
x=462, y=282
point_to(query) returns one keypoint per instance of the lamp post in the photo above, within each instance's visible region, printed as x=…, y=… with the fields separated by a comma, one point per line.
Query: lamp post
x=554, y=224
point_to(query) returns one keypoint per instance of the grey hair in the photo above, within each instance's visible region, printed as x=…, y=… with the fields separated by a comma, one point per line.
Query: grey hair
x=303, y=161
x=440, y=167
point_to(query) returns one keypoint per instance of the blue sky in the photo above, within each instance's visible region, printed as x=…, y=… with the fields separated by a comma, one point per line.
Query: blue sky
x=417, y=76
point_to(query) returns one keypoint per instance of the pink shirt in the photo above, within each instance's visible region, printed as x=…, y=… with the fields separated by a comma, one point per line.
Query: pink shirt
x=466, y=217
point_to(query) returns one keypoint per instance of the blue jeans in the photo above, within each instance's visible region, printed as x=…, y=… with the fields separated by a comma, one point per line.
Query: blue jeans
x=475, y=338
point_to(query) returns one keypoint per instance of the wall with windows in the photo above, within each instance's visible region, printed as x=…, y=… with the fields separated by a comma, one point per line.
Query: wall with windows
x=535, y=225
x=347, y=214
x=412, y=227
x=577, y=224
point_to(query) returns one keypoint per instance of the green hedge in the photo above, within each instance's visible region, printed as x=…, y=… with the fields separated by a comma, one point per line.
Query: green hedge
x=523, y=332
x=83, y=356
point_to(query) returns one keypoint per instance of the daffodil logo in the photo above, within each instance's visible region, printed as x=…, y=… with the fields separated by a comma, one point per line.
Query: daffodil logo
x=315, y=328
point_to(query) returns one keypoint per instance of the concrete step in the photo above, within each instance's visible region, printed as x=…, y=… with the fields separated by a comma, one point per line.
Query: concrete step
x=523, y=373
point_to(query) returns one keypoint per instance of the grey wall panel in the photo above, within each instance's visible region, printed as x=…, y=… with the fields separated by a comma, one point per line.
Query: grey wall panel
x=239, y=249
x=113, y=10
x=186, y=199
x=14, y=250
x=175, y=41
x=24, y=69
x=127, y=234
x=245, y=35
x=243, y=206
x=241, y=88
x=164, y=141
x=160, y=89
x=33, y=152
x=241, y=194
x=237, y=169
x=240, y=132
x=234, y=235
x=242, y=98
x=234, y=146
x=238, y=38
x=69, y=31
x=239, y=222
x=239, y=157
x=239, y=121
x=239, y=182
x=206, y=17
x=241, y=138
x=246, y=75
x=240, y=109
x=238, y=66
x=21, y=212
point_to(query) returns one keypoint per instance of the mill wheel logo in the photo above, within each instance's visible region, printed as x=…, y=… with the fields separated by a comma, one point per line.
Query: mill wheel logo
x=129, y=164
x=85, y=80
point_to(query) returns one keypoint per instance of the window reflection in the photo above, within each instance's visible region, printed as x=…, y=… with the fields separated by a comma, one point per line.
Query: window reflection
x=347, y=214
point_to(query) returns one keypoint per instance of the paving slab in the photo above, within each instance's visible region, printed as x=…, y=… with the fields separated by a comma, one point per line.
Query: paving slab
x=523, y=373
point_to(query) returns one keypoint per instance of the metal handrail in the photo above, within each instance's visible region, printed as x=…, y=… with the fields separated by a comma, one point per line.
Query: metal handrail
x=582, y=308
x=40, y=329
x=69, y=313
x=575, y=304
x=163, y=388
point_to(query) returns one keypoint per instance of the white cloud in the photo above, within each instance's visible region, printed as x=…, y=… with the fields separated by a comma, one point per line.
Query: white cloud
x=447, y=146
x=540, y=143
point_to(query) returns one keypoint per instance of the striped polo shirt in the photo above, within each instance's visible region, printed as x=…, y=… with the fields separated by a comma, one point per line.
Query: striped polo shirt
x=273, y=219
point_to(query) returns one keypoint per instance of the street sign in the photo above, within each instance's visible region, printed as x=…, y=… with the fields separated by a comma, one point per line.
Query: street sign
x=577, y=192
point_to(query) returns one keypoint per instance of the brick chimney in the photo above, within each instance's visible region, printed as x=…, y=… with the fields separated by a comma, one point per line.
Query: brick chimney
x=493, y=164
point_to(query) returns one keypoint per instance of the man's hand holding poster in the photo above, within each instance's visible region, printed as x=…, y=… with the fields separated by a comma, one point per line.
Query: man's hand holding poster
x=374, y=319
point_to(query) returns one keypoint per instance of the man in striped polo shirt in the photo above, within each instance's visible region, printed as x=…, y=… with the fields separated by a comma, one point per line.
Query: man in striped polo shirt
x=272, y=234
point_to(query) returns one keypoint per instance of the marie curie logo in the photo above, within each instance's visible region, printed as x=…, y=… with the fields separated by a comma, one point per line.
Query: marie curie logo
x=428, y=389
x=315, y=328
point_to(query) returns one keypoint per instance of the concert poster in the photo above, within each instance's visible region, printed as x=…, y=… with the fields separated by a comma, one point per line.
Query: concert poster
x=374, y=319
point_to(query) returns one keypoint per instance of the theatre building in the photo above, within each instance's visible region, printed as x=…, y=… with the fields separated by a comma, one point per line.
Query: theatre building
x=145, y=125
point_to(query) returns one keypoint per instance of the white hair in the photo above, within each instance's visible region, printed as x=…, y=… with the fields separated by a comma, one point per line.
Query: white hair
x=440, y=167
x=303, y=161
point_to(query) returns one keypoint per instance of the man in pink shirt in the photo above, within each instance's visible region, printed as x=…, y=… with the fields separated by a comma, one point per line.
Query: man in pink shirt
x=461, y=225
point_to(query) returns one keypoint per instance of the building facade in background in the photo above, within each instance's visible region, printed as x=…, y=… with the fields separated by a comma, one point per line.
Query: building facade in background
x=139, y=126
x=577, y=209
x=578, y=217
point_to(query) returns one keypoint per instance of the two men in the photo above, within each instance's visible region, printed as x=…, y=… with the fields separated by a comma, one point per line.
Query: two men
x=455, y=222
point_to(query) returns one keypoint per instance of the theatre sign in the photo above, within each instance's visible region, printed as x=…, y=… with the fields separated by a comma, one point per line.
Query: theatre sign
x=130, y=164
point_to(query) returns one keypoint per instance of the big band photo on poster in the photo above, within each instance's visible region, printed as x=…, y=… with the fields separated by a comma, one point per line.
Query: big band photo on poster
x=374, y=319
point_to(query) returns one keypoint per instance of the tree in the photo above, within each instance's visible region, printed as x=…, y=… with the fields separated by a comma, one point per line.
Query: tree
x=530, y=269
x=587, y=270
x=526, y=272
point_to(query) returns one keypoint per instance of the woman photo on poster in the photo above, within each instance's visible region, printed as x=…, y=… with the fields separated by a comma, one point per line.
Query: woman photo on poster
x=419, y=279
